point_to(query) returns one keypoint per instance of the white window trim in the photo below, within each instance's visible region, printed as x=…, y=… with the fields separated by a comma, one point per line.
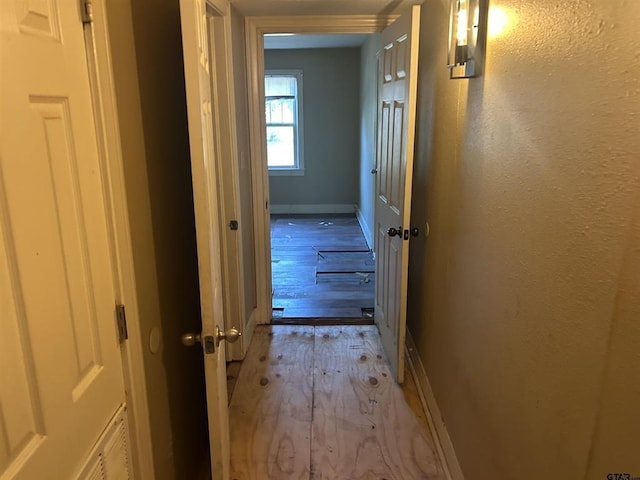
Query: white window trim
x=299, y=137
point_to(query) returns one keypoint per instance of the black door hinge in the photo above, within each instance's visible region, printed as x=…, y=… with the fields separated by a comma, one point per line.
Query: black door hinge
x=121, y=319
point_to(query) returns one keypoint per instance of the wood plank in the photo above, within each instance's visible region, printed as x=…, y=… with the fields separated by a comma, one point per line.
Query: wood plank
x=319, y=321
x=325, y=290
x=302, y=276
x=343, y=262
x=345, y=278
x=293, y=256
x=323, y=249
x=320, y=303
x=291, y=261
x=270, y=410
x=332, y=286
x=300, y=235
x=308, y=217
x=322, y=312
x=339, y=257
x=347, y=226
x=294, y=250
x=363, y=427
x=346, y=267
x=327, y=242
x=293, y=265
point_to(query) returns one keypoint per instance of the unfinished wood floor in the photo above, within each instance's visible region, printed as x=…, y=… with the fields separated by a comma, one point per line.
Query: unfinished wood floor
x=319, y=402
x=321, y=268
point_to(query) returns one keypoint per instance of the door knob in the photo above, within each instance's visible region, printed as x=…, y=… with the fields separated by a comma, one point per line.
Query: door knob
x=392, y=232
x=230, y=335
x=374, y=171
x=190, y=339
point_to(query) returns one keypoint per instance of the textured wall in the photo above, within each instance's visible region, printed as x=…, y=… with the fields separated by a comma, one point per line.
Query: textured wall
x=368, y=115
x=524, y=299
x=149, y=78
x=331, y=99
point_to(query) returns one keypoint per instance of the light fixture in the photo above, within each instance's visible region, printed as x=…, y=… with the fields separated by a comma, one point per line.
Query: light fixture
x=467, y=34
x=498, y=22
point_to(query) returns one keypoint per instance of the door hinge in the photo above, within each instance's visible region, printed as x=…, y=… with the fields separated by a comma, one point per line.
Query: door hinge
x=121, y=319
x=86, y=11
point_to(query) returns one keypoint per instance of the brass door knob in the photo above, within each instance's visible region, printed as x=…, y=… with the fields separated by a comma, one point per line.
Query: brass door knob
x=230, y=335
x=190, y=339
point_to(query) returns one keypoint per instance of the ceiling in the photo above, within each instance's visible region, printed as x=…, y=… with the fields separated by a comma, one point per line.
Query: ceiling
x=319, y=7
x=314, y=41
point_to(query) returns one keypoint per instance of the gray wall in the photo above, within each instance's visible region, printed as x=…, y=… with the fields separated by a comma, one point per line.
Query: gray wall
x=368, y=116
x=331, y=98
x=524, y=299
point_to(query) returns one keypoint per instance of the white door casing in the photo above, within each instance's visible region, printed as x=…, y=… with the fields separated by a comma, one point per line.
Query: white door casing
x=223, y=94
x=61, y=376
x=397, y=93
x=203, y=136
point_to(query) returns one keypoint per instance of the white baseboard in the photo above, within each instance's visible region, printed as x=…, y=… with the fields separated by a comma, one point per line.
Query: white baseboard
x=312, y=209
x=444, y=447
x=366, y=230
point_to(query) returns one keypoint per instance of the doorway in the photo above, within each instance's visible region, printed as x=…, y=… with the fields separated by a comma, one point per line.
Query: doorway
x=318, y=105
x=255, y=29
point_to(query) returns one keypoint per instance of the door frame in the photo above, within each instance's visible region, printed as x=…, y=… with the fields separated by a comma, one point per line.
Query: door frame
x=111, y=162
x=232, y=258
x=255, y=28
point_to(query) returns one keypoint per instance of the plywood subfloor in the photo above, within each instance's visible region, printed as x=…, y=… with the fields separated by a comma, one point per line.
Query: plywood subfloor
x=320, y=403
x=321, y=268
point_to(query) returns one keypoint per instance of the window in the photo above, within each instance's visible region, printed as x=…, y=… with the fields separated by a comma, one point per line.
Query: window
x=283, y=108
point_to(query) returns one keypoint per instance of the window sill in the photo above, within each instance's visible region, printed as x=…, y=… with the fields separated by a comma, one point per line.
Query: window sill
x=286, y=172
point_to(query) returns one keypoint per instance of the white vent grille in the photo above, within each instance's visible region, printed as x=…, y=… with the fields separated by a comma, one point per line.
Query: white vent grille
x=109, y=459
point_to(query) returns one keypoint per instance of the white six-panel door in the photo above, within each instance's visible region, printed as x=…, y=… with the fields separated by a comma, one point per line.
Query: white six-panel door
x=60, y=369
x=396, y=134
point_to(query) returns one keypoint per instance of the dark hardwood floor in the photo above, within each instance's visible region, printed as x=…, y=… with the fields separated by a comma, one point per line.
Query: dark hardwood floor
x=322, y=270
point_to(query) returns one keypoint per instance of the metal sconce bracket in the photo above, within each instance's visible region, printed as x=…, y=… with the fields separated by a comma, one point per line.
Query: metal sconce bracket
x=467, y=37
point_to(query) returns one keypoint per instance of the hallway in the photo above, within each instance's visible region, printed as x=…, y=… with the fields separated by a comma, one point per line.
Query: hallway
x=321, y=403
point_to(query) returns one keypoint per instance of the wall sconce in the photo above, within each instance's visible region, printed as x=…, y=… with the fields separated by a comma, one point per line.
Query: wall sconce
x=467, y=36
